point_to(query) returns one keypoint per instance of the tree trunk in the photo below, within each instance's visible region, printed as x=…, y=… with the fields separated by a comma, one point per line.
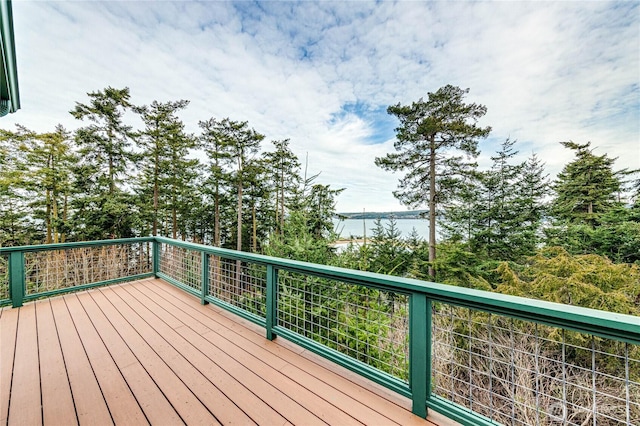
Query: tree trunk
x=155, y=195
x=239, y=228
x=239, y=239
x=255, y=229
x=432, y=207
x=282, y=198
x=216, y=219
x=63, y=236
x=54, y=217
x=47, y=219
x=174, y=219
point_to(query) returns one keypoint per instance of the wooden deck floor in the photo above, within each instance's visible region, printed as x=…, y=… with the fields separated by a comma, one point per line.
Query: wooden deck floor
x=148, y=353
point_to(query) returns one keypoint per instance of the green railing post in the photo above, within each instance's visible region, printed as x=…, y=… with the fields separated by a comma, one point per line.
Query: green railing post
x=205, y=278
x=272, y=301
x=156, y=257
x=419, y=354
x=16, y=278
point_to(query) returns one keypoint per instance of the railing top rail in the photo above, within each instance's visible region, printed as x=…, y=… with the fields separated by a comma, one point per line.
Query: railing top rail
x=601, y=323
x=60, y=246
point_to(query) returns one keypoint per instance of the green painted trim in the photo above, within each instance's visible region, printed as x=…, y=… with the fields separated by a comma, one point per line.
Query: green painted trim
x=271, y=301
x=17, y=286
x=347, y=362
x=418, y=353
x=458, y=413
x=9, y=92
x=428, y=347
x=5, y=302
x=63, y=246
x=600, y=323
x=156, y=258
x=51, y=293
x=256, y=319
x=204, y=278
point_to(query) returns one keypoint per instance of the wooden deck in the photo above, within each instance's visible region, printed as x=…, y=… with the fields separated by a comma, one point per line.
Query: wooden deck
x=148, y=353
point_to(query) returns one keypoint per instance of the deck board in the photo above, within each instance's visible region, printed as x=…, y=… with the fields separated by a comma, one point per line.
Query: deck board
x=146, y=352
x=8, y=329
x=25, y=408
x=57, y=400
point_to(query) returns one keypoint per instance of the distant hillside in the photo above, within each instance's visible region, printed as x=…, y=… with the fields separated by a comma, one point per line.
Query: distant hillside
x=415, y=214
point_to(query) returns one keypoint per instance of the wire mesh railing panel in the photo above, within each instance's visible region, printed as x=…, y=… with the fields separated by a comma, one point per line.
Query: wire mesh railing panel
x=4, y=277
x=181, y=264
x=521, y=373
x=239, y=283
x=58, y=269
x=366, y=324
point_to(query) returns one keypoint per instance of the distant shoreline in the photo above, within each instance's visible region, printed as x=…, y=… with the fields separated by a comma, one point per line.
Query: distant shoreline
x=414, y=214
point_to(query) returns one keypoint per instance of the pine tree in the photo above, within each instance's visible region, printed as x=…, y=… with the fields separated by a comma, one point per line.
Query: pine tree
x=430, y=140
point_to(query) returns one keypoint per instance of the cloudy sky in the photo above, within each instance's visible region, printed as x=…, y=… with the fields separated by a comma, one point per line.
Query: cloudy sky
x=323, y=73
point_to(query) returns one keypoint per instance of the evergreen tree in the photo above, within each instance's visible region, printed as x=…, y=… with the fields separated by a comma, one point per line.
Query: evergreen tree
x=49, y=159
x=15, y=225
x=181, y=175
x=240, y=145
x=511, y=207
x=389, y=254
x=213, y=142
x=284, y=168
x=161, y=141
x=429, y=141
x=586, y=188
x=103, y=206
x=533, y=187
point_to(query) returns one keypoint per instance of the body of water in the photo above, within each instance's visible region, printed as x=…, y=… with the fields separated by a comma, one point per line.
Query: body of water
x=355, y=227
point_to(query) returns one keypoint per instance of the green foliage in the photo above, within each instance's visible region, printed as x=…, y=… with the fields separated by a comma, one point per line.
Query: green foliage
x=456, y=265
x=590, y=281
x=298, y=241
x=500, y=210
x=388, y=252
x=586, y=188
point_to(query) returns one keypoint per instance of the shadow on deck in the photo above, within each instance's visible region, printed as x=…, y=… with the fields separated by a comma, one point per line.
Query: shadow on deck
x=148, y=353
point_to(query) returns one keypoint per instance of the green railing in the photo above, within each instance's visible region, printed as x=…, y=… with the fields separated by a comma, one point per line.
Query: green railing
x=33, y=272
x=476, y=357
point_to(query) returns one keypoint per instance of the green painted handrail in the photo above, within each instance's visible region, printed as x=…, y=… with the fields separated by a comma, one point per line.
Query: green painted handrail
x=625, y=328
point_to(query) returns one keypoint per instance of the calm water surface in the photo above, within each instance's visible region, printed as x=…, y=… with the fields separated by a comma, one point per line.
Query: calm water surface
x=355, y=227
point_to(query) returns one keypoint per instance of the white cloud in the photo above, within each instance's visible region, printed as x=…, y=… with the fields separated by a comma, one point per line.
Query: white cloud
x=547, y=72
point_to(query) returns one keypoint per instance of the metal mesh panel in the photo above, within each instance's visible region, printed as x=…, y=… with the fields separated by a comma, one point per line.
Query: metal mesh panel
x=521, y=373
x=366, y=324
x=57, y=269
x=4, y=277
x=181, y=264
x=239, y=283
